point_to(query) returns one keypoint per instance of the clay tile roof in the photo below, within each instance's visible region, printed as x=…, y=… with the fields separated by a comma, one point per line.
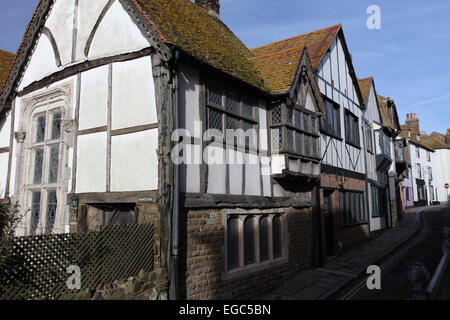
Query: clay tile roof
x=424, y=142
x=6, y=62
x=317, y=43
x=364, y=85
x=187, y=26
x=278, y=69
x=435, y=144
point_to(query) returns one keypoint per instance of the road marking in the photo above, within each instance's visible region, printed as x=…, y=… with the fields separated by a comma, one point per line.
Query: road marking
x=390, y=260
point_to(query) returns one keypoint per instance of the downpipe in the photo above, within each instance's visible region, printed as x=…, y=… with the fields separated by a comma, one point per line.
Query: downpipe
x=175, y=285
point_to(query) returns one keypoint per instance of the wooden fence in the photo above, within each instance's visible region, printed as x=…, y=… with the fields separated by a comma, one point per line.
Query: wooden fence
x=38, y=266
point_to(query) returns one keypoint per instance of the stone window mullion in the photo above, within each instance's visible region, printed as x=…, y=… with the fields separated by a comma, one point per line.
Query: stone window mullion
x=256, y=239
x=241, y=242
x=271, y=237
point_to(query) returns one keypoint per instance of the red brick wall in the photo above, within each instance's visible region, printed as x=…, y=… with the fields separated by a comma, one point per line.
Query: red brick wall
x=204, y=250
x=348, y=236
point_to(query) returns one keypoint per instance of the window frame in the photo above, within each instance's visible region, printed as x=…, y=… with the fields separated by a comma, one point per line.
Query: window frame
x=45, y=186
x=369, y=140
x=349, y=202
x=258, y=264
x=351, y=124
x=227, y=114
x=292, y=128
x=335, y=130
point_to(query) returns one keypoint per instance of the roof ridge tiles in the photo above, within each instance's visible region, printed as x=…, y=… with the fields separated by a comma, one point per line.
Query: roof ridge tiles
x=297, y=36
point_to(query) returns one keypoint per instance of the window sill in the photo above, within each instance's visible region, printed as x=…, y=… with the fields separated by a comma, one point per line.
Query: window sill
x=354, y=224
x=353, y=144
x=253, y=268
x=332, y=135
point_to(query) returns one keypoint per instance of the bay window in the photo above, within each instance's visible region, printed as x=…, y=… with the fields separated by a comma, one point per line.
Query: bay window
x=294, y=130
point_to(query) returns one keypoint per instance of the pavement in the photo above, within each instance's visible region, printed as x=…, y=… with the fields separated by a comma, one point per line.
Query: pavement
x=322, y=283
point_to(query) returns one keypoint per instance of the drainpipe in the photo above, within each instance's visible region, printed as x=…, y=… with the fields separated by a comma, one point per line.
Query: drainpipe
x=367, y=125
x=174, y=287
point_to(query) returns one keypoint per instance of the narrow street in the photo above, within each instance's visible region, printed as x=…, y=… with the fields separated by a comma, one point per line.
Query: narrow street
x=425, y=247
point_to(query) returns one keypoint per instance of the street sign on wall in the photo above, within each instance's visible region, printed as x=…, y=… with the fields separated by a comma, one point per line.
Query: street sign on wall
x=446, y=186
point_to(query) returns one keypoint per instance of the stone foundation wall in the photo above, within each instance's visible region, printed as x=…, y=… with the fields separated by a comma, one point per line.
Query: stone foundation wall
x=203, y=257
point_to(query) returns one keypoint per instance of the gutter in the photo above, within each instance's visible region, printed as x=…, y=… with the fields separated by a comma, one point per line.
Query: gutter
x=174, y=283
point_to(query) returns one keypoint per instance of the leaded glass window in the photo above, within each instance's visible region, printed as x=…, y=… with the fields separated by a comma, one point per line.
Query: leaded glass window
x=247, y=110
x=352, y=209
x=289, y=115
x=233, y=105
x=38, y=164
x=44, y=181
x=264, y=238
x=277, y=237
x=276, y=115
x=40, y=128
x=306, y=141
x=246, y=232
x=298, y=128
x=56, y=125
x=233, y=243
x=306, y=122
x=35, y=210
x=214, y=96
x=214, y=120
x=249, y=241
x=51, y=209
x=235, y=114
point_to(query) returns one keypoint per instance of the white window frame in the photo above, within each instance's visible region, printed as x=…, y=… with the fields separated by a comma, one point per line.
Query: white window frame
x=45, y=187
x=57, y=97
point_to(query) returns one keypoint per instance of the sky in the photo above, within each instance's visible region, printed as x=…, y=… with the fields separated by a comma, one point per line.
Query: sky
x=408, y=57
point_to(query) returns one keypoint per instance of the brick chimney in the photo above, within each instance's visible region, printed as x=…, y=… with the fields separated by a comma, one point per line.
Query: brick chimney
x=412, y=123
x=447, y=137
x=210, y=6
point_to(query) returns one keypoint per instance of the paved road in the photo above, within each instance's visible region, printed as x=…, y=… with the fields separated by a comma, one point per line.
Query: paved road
x=427, y=249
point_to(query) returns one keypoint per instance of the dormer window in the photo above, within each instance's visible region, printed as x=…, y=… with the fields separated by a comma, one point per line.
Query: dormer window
x=409, y=133
x=418, y=138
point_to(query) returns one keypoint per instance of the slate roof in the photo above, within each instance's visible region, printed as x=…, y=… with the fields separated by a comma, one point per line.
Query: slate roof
x=364, y=86
x=6, y=62
x=317, y=43
x=187, y=26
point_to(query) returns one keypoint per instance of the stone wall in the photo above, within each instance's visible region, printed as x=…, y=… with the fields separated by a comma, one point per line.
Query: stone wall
x=146, y=286
x=203, y=257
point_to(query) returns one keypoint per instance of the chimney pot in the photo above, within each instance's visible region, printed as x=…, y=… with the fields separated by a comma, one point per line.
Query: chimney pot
x=210, y=6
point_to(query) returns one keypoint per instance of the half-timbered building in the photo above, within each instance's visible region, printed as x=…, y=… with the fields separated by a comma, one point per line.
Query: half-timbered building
x=378, y=157
x=398, y=165
x=343, y=169
x=6, y=61
x=126, y=111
